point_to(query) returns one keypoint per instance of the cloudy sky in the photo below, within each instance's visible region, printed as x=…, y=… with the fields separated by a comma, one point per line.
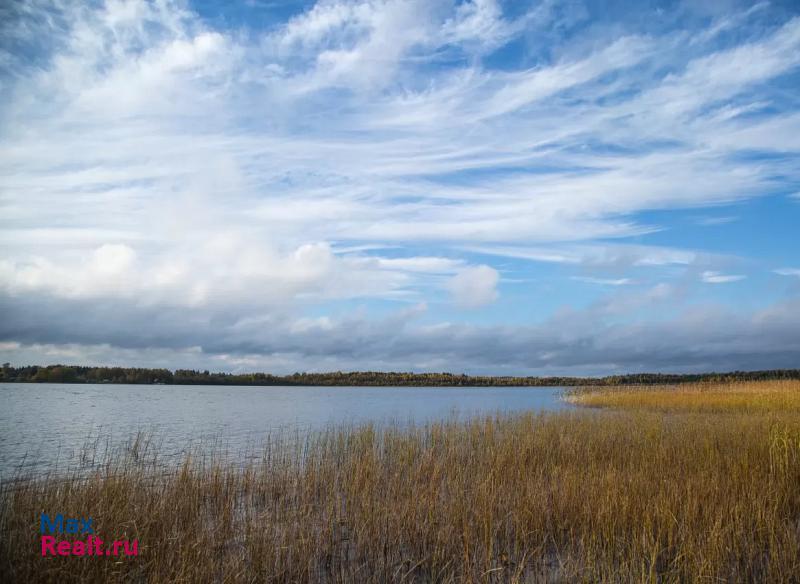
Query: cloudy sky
x=561, y=186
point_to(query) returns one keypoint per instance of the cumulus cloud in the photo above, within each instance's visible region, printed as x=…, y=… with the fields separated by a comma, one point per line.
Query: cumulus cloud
x=226, y=268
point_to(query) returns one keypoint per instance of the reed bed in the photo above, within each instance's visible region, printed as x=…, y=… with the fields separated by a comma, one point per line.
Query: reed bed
x=762, y=396
x=561, y=497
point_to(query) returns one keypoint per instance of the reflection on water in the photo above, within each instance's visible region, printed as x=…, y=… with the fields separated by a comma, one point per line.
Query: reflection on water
x=47, y=425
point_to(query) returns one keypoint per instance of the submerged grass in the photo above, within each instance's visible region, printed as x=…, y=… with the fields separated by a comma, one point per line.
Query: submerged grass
x=572, y=496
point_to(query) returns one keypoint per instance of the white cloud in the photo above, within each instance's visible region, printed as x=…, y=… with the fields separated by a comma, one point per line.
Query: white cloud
x=433, y=265
x=525, y=88
x=720, y=75
x=721, y=220
x=712, y=277
x=477, y=20
x=788, y=272
x=597, y=255
x=372, y=182
x=225, y=268
x=603, y=281
x=474, y=287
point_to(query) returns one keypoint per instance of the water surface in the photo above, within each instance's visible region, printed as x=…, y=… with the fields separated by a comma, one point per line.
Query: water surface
x=44, y=425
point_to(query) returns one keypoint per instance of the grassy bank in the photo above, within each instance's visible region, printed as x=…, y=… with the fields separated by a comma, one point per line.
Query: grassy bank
x=575, y=496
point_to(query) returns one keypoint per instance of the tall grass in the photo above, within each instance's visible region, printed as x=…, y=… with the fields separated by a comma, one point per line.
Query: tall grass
x=698, y=397
x=572, y=496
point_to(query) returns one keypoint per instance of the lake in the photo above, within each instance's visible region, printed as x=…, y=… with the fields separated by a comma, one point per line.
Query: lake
x=44, y=426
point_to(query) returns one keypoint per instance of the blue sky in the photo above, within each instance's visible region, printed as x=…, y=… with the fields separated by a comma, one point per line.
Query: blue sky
x=492, y=187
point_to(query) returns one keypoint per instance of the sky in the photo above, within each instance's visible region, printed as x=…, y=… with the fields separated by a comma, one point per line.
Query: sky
x=528, y=188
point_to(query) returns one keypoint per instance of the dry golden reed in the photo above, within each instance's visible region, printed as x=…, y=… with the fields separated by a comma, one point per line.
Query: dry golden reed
x=573, y=496
x=761, y=396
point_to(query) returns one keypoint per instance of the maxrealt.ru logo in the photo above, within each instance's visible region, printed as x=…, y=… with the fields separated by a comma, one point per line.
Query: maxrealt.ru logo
x=92, y=546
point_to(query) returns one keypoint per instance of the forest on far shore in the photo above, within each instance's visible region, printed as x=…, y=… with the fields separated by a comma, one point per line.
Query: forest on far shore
x=82, y=374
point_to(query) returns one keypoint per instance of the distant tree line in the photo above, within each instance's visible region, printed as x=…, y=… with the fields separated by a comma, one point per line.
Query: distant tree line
x=81, y=374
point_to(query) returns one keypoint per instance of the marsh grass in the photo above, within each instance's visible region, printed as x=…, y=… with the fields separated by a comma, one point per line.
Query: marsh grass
x=764, y=396
x=571, y=496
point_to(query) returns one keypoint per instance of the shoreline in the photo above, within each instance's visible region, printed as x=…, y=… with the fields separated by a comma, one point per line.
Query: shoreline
x=76, y=374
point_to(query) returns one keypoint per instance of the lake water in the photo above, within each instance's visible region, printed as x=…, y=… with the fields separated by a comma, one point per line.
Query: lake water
x=44, y=426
